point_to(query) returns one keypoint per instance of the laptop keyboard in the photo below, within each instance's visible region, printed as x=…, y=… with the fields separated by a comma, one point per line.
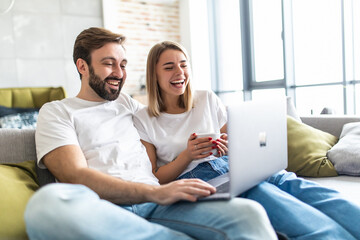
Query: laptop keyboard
x=223, y=188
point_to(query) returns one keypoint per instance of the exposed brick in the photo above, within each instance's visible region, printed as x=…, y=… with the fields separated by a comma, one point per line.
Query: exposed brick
x=144, y=24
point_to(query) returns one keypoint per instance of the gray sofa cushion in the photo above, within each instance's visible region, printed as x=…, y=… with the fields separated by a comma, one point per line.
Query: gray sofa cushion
x=329, y=123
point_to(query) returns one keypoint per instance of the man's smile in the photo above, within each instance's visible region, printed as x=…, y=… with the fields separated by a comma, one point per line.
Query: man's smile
x=113, y=82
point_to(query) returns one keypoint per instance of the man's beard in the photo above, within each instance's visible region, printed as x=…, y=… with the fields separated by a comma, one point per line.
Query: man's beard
x=98, y=86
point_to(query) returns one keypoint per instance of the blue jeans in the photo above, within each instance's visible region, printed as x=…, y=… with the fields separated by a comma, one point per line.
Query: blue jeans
x=208, y=170
x=299, y=208
x=69, y=211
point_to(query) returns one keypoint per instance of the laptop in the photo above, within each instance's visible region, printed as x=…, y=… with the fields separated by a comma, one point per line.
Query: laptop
x=257, y=147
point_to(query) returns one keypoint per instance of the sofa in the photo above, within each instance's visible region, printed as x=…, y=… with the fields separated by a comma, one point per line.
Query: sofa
x=348, y=185
x=20, y=178
x=19, y=106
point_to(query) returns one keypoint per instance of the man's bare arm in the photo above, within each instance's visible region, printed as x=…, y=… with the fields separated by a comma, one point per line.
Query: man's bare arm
x=68, y=165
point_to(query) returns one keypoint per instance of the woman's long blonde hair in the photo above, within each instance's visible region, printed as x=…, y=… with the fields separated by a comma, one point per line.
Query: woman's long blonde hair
x=156, y=104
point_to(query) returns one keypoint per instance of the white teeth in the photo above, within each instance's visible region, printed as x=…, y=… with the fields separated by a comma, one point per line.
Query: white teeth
x=114, y=83
x=176, y=82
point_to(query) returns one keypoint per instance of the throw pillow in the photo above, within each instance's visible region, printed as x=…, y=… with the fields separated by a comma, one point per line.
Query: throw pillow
x=4, y=111
x=25, y=120
x=345, y=155
x=17, y=184
x=307, y=148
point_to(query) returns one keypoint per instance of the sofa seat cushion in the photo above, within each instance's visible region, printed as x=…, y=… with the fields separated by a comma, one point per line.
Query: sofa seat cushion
x=307, y=148
x=17, y=184
x=348, y=186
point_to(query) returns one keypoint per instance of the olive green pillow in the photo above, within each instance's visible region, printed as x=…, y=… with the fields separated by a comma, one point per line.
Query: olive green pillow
x=18, y=182
x=307, y=148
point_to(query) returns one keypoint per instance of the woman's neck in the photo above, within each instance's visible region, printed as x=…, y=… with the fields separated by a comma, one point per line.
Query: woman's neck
x=172, y=105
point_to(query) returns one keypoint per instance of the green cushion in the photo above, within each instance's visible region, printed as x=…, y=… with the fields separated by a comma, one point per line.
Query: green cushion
x=17, y=184
x=22, y=98
x=30, y=97
x=6, y=97
x=307, y=148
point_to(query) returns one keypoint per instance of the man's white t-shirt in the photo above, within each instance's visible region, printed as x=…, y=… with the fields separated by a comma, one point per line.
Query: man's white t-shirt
x=103, y=130
x=169, y=133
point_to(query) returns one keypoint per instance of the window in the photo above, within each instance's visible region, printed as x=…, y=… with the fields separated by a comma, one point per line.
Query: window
x=317, y=41
x=268, y=44
x=307, y=49
x=312, y=100
x=226, y=50
x=267, y=93
x=355, y=15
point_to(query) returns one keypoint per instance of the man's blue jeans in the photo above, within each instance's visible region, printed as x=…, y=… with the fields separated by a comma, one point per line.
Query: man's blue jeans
x=69, y=211
x=299, y=208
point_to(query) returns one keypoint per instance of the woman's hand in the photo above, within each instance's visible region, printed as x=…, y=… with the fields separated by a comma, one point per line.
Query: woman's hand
x=222, y=145
x=198, y=148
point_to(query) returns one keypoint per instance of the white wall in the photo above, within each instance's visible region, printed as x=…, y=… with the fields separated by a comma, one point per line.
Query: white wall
x=37, y=38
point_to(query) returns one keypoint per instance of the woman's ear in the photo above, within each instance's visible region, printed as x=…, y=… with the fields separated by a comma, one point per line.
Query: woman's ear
x=82, y=66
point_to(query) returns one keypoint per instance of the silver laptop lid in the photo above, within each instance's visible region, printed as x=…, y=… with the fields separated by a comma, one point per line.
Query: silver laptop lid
x=257, y=132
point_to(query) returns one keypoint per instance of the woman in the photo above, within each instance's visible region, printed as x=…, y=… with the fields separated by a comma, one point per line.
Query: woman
x=299, y=208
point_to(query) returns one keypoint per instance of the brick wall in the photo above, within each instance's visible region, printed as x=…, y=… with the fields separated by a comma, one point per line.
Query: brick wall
x=144, y=23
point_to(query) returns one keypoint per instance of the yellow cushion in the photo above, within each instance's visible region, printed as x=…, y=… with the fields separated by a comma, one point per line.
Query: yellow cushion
x=307, y=148
x=18, y=182
x=22, y=98
x=31, y=97
x=5, y=97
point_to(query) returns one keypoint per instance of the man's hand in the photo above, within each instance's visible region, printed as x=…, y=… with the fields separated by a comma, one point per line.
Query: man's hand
x=184, y=189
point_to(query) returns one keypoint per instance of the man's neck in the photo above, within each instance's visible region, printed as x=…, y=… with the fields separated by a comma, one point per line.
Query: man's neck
x=89, y=95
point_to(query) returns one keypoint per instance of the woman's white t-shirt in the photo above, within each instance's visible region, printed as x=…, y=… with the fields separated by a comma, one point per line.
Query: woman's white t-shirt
x=103, y=130
x=169, y=133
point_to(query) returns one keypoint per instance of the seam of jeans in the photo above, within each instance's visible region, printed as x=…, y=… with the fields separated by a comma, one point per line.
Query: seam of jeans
x=159, y=220
x=217, y=167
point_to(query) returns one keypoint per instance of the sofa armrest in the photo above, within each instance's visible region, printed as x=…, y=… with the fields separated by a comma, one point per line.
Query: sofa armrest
x=332, y=124
x=18, y=145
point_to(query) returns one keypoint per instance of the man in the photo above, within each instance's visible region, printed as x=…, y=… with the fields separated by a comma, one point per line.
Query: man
x=90, y=141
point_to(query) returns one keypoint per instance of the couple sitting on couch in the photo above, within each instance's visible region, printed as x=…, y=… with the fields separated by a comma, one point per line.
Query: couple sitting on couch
x=90, y=140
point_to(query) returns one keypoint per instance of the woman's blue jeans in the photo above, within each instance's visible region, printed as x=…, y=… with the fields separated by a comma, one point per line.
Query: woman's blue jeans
x=299, y=208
